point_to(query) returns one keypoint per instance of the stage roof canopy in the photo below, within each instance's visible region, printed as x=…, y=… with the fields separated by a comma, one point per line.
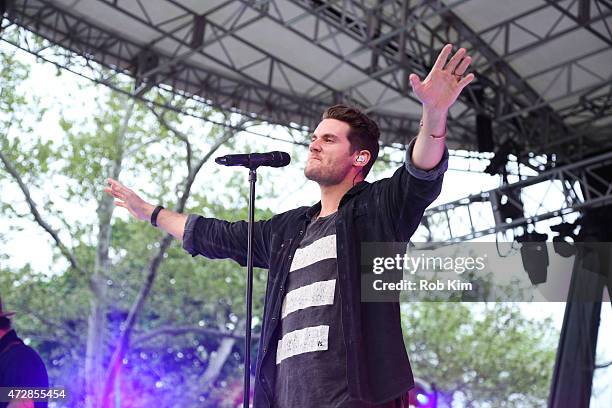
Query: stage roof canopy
x=544, y=68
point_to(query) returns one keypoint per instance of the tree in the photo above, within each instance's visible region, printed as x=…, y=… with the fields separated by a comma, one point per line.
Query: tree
x=114, y=276
x=480, y=354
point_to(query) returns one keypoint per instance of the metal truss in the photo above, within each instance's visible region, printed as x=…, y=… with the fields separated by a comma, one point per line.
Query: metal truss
x=241, y=92
x=395, y=37
x=585, y=184
x=93, y=44
x=394, y=33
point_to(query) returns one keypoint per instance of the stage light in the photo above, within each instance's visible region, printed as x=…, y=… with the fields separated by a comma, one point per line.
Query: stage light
x=563, y=243
x=422, y=399
x=423, y=395
x=534, y=254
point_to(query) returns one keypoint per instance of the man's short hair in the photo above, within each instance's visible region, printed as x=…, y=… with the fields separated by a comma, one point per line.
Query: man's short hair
x=363, y=134
x=5, y=323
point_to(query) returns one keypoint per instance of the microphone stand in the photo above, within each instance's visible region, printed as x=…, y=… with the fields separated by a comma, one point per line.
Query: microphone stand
x=249, y=290
x=251, y=161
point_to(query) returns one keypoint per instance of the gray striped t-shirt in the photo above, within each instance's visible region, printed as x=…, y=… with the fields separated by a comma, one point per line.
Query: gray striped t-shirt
x=311, y=355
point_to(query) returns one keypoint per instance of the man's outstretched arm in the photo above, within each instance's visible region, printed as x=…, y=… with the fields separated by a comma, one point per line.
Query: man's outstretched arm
x=437, y=93
x=209, y=237
x=171, y=222
x=403, y=197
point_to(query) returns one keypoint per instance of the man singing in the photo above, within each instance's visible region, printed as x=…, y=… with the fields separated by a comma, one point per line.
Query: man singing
x=320, y=345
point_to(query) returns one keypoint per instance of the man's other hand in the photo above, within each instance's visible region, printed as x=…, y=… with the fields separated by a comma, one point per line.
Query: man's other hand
x=126, y=198
x=445, y=80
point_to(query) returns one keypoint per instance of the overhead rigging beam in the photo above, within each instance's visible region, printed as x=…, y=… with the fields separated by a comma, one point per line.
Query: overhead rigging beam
x=393, y=37
x=345, y=18
x=119, y=53
x=583, y=18
x=481, y=214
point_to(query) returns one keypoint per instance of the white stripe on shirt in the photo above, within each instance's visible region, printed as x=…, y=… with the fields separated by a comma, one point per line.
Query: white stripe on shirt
x=323, y=248
x=302, y=341
x=316, y=294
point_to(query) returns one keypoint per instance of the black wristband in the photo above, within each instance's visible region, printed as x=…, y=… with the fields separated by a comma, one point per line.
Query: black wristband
x=154, y=215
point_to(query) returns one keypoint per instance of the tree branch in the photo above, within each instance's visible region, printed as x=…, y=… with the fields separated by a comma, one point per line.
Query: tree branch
x=38, y=218
x=227, y=135
x=182, y=136
x=50, y=339
x=135, y=148
x=50, y=323
x=218, y=359
x=180, y=330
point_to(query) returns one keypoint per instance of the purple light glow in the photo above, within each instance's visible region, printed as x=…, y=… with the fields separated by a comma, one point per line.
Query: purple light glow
x=422, y=399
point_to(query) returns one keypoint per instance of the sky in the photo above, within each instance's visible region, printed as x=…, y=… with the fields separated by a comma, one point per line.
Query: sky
x=56, y=92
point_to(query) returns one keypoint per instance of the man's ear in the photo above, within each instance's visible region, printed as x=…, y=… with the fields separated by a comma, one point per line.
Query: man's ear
x=362, y=158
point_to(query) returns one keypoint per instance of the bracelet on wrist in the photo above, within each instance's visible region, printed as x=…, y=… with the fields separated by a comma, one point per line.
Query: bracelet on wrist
x=442, y=136
x=154, y=215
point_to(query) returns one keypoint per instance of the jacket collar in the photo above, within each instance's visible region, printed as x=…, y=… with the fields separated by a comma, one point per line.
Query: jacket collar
x=356, y=189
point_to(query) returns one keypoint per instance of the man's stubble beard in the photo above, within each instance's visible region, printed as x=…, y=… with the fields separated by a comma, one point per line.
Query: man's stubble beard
x=323, y=176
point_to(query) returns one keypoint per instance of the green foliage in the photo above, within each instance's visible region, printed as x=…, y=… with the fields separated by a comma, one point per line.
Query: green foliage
x=17, y=112
x=12, y=73
x=55, y=306
x=481, y=354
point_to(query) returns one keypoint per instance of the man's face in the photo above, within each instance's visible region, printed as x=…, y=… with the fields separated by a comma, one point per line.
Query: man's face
x=330, y=158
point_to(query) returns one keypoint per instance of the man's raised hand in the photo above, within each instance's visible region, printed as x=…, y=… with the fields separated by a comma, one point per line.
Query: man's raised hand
x=445, y=81
x=126, y=198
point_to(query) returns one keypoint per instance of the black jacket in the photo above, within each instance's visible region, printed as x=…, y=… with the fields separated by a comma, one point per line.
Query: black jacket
x=21, y=366
x=386, y=210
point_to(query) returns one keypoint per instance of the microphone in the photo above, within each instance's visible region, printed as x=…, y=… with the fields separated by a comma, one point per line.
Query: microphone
x=254, y=160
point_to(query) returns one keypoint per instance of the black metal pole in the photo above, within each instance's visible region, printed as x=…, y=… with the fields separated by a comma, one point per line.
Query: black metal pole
x=249, y=291
x=572, y=380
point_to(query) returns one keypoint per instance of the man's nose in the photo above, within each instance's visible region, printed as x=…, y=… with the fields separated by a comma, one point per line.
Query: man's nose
x=314, y=146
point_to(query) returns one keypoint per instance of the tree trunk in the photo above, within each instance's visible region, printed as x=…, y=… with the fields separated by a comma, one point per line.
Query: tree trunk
x=218, y=361
x=93, y=356
x=96, y=324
